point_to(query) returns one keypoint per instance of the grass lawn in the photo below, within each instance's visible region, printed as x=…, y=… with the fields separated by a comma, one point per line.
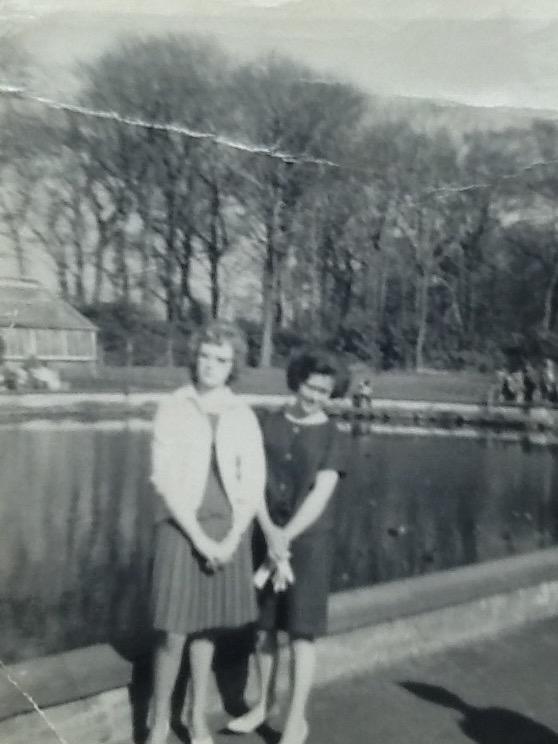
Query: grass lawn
x=450, y=387
x=459, y=387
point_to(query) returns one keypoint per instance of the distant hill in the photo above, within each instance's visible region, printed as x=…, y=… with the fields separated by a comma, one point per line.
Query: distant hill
x=431, y=114
x=462, y=73
x=487, y=61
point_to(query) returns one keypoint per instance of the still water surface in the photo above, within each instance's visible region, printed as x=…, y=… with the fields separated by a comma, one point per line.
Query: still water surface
x=76, y=516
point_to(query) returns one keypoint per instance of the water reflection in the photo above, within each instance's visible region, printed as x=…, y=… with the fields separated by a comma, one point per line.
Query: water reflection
x=76, y=515
x=412, y=505
x=77, y=512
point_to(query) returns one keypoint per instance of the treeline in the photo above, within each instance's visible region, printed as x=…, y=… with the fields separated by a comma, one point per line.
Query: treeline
x=292, y=200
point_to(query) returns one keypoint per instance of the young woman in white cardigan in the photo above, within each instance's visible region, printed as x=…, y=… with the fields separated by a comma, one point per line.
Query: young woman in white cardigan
x=209, y=469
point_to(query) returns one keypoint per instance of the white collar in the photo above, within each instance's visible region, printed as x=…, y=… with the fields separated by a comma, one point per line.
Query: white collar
x=217, y=402
x=315, y=418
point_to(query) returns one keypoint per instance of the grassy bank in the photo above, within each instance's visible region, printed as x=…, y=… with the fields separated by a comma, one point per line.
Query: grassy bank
x=458, y=387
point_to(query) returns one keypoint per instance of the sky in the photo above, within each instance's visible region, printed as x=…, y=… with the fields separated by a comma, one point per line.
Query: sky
x=480, y=52
x=477, y=52
x=373, y=8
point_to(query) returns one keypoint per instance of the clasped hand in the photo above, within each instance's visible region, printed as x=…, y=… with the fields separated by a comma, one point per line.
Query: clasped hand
x=277, y=567
x=278, y=544
x=279, y=553
x=217, y=554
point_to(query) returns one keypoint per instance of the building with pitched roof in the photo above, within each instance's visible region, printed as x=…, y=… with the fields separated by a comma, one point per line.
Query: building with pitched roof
x=34, y=322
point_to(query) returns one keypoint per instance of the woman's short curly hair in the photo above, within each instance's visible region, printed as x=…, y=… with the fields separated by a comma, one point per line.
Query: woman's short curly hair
x=315, y=361
x=219, y=332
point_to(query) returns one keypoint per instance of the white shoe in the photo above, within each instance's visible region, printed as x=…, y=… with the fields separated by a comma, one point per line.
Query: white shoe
x=248, y=722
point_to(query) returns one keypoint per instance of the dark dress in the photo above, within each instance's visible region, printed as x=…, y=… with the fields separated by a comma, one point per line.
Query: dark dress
x=187, y=597
x=294, y=455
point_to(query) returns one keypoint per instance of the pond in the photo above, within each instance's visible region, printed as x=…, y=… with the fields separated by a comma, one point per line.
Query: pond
x=77, y=511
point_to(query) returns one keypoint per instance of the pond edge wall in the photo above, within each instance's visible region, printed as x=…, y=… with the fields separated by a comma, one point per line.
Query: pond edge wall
x=84, y=693
x=380, y=415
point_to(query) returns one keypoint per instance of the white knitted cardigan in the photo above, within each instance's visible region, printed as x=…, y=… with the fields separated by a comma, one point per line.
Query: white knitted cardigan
x=181, y=452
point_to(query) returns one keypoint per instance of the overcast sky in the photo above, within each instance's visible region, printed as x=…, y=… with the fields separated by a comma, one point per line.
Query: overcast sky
x=483, y=52
x=375, y=8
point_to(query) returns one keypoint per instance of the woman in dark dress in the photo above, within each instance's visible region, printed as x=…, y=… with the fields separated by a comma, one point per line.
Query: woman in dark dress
x=209, y=469
x=305, y=455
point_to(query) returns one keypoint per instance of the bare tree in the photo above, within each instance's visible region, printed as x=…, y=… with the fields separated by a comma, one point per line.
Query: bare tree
x=17, y=171
x=141, y=186
x=287, y=108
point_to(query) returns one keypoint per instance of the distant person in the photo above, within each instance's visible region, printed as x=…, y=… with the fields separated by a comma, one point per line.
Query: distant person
x=548, y=386
x=9, y=376
x=209, y=468
x=306, y=455
x=505, y=387
x=28, y=366
x=21, y=375
x=512, y=390
x=362, y=397
x=42, y=376
x=529, y=383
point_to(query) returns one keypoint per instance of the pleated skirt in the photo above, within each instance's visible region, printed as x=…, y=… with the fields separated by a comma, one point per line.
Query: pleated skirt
x=188, y=598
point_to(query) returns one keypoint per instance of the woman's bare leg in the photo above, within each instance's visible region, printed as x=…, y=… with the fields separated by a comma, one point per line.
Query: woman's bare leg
x=266, y=669
x=168, y=656
x=202, y=651
x=303, y=664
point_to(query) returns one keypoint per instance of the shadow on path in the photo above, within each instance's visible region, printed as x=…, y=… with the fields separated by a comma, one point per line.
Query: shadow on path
x=486, y=725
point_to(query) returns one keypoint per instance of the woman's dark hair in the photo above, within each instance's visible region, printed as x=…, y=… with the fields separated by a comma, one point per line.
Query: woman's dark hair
x=219, y=332
x=309, y=361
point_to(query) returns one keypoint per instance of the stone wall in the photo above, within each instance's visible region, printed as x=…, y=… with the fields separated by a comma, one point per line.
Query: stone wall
x=84, y=695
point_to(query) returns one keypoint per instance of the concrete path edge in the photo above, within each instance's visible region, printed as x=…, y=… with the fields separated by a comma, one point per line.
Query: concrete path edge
x=85, y=690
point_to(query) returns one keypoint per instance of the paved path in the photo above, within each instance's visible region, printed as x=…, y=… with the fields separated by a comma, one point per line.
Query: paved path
x=502, y=691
